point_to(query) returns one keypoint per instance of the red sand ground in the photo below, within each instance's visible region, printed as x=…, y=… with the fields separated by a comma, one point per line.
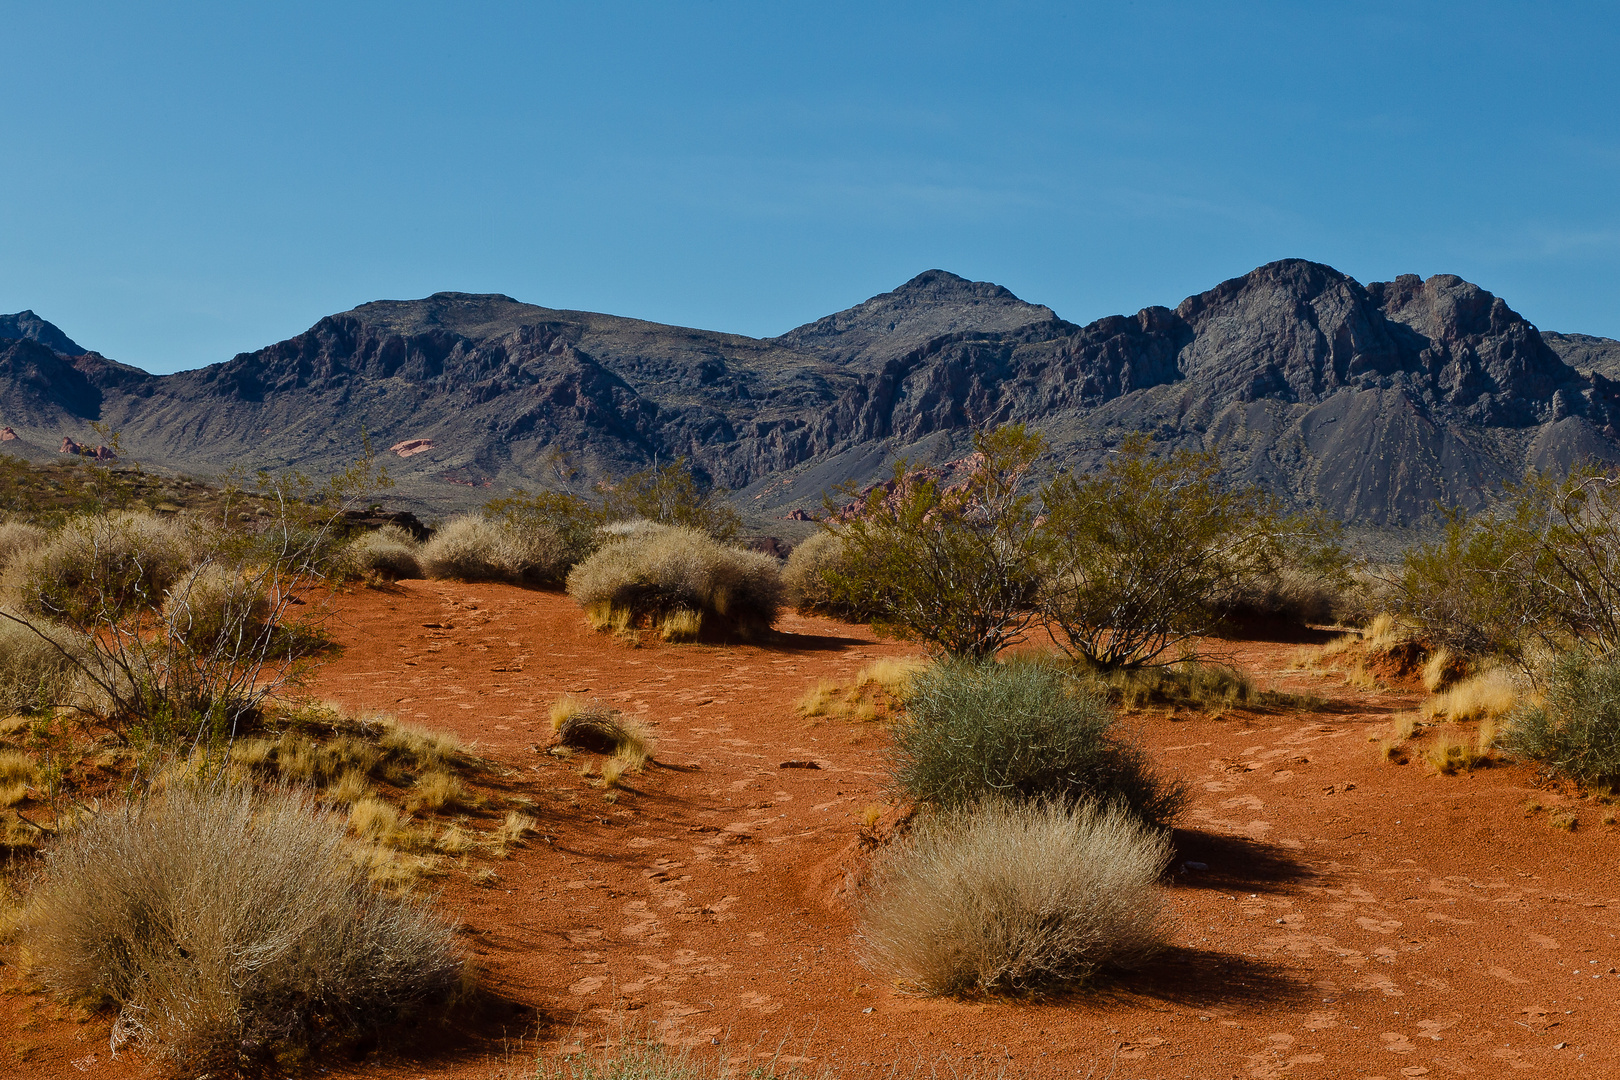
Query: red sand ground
x=1353, y=918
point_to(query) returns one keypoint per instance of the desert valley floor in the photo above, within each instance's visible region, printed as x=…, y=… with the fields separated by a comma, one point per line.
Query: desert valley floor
x=1334, y=915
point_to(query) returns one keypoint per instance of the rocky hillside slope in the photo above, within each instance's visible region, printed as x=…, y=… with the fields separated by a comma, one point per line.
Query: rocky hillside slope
x=1371, y=402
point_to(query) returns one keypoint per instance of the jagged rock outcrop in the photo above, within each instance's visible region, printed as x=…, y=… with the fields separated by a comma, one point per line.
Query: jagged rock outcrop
x=1373, y=403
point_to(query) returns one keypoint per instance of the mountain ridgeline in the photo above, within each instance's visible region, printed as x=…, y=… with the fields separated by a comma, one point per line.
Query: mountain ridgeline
x=1374, y=403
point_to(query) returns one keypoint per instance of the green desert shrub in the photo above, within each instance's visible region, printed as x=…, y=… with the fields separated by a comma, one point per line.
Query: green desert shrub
x=672, y=495
x=474, y=548
x=980, y=730
x=678, y=580
x=39, y=665
x=1148, y=552
x=97, y=568
x=1575, y=732
x=389, y=552
x=955, y=565
x=230, y=929
x=1016, y=897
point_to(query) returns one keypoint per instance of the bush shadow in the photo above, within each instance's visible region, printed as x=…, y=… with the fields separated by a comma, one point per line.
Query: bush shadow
x=1206, y=979
x=1207, y=860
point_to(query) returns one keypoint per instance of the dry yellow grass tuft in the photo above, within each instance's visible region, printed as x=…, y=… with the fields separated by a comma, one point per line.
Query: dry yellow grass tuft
x=17, y=774
x=876, y=688
x=1381, y=633
x=1436, y=670
x=437, y=790
x=349, y=788
x=514, y=830
x=1488, y=695
x=1451, y=753
x=680, y=626
x=374, y=819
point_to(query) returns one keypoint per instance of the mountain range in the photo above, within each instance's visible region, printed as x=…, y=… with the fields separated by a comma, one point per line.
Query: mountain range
x=1374, y=403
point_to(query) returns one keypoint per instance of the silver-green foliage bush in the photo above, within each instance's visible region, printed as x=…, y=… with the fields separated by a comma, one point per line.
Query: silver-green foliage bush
x=1014, y=897
x=653, y=571
x=229, y=928
x=1576, y=731
x=976, y=730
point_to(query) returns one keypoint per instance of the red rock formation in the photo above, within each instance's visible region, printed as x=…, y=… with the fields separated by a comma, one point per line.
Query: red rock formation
x=411, y=446
x=7, y=435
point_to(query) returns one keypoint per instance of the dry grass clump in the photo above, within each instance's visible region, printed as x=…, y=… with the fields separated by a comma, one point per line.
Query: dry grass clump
x=38, y=672
x=19, y=538
x=679, y=581
x=1016, y=898
x=1453, y=752
x=1204, y=687
x=99, y=565
x=1488, y=695
x=213, y=609
x=18, y=772
x=600, y=729
x=474, y=548
x=437, y=790
x=230, y=930
x=809, y=588
x=876, y=691
x=1440, y=669
x=390, y=552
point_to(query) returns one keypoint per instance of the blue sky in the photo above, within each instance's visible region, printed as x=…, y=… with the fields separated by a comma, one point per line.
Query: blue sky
x=184, y=182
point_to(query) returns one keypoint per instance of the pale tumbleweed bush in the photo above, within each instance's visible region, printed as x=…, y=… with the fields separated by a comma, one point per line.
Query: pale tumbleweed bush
x=19, y=538
x=97, y=565
x=389, y=552
x=680, y=581
x=474, y=548
x=230, y=927
x=1016, y=897
x=39, y=665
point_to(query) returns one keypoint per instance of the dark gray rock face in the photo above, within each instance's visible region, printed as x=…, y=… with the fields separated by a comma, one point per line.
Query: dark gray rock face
x=27, y=326
x=1372, y=403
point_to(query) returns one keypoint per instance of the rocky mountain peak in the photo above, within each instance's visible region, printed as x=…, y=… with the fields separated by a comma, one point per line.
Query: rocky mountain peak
x=26, y=326
x=931, y=305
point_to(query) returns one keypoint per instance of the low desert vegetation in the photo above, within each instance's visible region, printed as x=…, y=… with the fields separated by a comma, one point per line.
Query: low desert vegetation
x=676, y=495
x=973, y=731
x=229, y=929
x=680, y=582
x=389, y=553
x=1531, y=578
x=1575, y=731
x=819, y=579
x=1124, y=567
x=1488, y=695
x=475, y=548
x=596, y=728
x=1016, y=897
x=1156, y=551
x=875, y=692
x=956, y=567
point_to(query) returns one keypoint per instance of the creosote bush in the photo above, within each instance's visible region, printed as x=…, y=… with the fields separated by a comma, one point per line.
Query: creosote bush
x=982, y=730
x=679, y=581
x=230, y=929
x=1576, y=731
x=1016, y=897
